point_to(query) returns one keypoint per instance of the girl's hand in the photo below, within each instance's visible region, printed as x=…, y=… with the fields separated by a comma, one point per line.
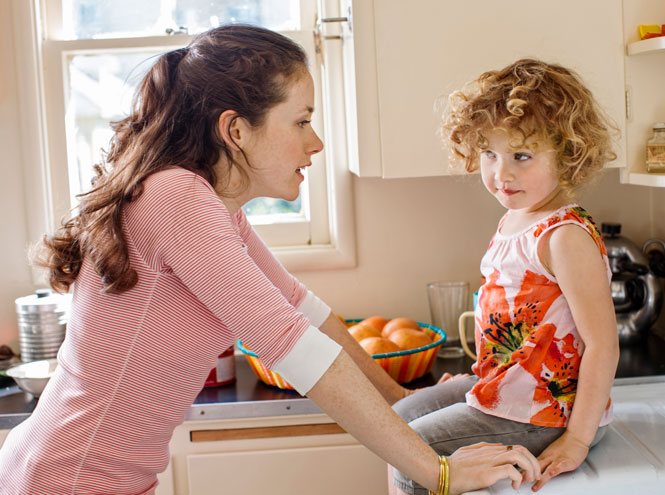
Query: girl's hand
x=565, y=454
x=447, y=376
x=483, y=464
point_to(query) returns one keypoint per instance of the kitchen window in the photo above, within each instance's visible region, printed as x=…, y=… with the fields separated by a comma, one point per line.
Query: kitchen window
x=83, y=59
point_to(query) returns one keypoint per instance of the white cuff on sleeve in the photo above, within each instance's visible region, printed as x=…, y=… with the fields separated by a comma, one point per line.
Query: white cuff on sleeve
x=309, y=359
x=314, y=309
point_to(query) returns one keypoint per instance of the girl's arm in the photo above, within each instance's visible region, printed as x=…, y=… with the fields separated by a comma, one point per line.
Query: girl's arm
x=574, y=259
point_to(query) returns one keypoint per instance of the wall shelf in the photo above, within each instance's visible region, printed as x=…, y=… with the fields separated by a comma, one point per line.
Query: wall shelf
x=644, y=75
x=646, y=46
x=646, y=179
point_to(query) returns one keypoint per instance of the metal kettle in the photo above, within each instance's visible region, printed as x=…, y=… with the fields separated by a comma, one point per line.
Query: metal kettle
x=637, y=292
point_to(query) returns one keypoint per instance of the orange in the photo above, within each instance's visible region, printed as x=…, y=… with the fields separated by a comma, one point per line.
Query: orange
x=377, y=322
x=378, y=345
x=396, y=323
x=361, y=331
x=408, y=338
x=346, y=323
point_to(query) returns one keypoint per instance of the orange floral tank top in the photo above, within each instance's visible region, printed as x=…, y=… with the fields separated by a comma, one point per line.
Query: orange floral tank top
x=528, y=347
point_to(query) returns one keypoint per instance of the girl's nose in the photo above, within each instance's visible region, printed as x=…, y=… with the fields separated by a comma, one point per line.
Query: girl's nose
x=503, y=171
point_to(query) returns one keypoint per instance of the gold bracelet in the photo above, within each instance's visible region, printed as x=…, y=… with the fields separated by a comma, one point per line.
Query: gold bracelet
x=444, y=477
x=446, y=483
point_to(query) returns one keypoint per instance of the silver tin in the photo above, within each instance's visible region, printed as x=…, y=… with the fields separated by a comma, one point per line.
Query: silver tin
x=42, y=322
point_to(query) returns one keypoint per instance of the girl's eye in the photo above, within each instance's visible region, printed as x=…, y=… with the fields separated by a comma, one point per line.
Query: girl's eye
x=488, y=153
x=521, y=156
x=303, y=123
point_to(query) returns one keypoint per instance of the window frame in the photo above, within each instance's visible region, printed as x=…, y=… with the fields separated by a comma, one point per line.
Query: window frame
x=41, y=71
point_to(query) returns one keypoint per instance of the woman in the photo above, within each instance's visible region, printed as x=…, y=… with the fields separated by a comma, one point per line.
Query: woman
x=167, y=273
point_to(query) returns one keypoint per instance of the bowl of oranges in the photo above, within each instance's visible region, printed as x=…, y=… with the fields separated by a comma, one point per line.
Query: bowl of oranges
x=403, y=347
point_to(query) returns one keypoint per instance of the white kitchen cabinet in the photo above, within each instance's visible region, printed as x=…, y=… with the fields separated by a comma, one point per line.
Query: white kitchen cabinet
x=278, y=455
x=645, y=80
x=402, y=56
x=326, y=470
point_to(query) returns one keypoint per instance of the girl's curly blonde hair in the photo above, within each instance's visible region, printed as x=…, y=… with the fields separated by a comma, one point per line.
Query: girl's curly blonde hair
x=532, y=99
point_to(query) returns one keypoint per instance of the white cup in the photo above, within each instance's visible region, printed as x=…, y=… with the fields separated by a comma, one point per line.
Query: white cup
x=462, y=332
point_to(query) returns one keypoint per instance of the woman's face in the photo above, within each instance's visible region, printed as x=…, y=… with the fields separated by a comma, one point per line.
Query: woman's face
x=282, y=147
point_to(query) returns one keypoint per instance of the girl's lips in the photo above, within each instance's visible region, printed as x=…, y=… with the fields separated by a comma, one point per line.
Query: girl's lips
x=508, y=192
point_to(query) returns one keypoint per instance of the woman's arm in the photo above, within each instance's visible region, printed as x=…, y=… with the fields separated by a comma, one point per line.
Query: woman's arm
x=332, y=326
x=389, y=388
x=348, y=397
x=574, y=259
x=291, y=288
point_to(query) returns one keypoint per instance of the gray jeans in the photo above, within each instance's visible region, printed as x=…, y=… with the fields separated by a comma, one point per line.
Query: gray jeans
x=439, y=414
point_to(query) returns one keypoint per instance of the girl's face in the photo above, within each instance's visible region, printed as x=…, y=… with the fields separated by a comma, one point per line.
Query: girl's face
x=524, y=179
x=282, y=147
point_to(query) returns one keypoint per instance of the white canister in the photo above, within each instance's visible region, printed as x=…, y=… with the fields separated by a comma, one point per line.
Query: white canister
x=42, y=322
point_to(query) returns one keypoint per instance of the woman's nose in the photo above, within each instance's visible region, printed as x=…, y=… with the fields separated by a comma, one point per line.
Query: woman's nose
x=316, y=145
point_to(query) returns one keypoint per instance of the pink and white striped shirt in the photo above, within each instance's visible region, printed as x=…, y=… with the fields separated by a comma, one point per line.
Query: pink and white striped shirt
x=132, y=363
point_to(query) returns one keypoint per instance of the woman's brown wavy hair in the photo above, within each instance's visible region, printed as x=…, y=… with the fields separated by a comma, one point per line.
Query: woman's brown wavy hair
x=173, y=122
x=531, y=98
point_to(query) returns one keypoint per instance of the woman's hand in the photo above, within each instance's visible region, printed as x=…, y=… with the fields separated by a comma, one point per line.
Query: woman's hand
x=444, y=378
x=483, y=464
x=565, y=454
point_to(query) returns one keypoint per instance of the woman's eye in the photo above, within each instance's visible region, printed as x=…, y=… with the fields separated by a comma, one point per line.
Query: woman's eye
x=488, y=153
x=521, y=156
x=303, y=123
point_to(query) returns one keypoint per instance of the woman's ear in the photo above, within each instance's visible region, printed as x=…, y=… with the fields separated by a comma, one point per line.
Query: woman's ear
x=233, y=129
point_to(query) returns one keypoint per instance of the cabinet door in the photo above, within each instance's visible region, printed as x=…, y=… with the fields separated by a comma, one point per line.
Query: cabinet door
x=426, y=49
x=165, y=478
x=330, y=470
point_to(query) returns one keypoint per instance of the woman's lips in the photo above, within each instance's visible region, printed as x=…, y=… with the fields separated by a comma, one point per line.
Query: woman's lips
x=300, y=170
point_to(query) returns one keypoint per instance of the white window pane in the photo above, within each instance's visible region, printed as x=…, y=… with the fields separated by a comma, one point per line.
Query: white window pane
x=273, y=206
x=199, y=15
x=87, y=19
x=101, y=90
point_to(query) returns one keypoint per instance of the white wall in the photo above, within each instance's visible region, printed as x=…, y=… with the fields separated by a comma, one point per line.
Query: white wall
x=409, y=231
x=413, y=231
x=15, y=276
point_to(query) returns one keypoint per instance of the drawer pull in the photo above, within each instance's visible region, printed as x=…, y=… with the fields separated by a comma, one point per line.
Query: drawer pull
x=264, y=432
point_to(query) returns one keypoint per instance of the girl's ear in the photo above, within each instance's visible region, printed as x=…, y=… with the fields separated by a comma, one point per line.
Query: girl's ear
x=233, y=129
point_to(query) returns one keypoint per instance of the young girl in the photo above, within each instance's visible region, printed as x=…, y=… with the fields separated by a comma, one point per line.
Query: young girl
x=545, y=329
